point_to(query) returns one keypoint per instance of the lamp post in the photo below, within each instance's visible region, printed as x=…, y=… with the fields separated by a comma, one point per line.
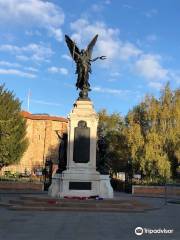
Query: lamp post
x=128, y=177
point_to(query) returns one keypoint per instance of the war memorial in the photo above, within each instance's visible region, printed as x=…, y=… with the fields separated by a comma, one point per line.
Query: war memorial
x=77, y=175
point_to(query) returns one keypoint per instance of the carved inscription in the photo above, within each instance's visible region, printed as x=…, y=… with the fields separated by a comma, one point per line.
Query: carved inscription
x=79, y=185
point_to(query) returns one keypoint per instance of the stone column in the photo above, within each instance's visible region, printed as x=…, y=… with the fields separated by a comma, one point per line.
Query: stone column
x=82, y=112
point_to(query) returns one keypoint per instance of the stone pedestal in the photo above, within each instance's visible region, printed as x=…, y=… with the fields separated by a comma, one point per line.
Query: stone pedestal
x=81, y=177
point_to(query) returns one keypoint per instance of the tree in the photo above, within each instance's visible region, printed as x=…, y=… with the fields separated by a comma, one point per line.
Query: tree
x=109, y=150
x=155, y=162
x=170, y=126
x=134, y=139
x=148, y=137
x=153, y=135
x=13, y=142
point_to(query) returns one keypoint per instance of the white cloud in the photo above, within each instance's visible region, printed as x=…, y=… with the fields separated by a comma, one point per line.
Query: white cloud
x=175, y=75
x=150, y=13
x=22, y=58
x=112, y=80
x=60, y=70
x=100, y=6
x=115, y=74
x=108, y=43
x=9, y=64
x=97, y=7
x=149, y=66
x=127, y=6
x=16, y=72
x=69, y=85
x=8, y=37
x=57, y=33
x=45, y=102
x=31, y=69
x=151, y=38
x=39, y=13
x=121, y=55
x=129, y=50
x=110, y=90
x=155, y=85
x=67, y=57
x=9, y=48
x=33, y=33
x=107, y=2
x=35, y=52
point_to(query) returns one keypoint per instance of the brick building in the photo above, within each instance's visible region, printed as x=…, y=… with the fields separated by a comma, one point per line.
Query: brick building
x=42, y=133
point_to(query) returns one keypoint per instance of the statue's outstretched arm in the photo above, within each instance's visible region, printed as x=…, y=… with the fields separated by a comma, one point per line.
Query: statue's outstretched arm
x=94, y=59
x=102, y=58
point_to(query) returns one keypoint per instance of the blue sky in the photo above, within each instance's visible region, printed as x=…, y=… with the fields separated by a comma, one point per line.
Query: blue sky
x=141, y=40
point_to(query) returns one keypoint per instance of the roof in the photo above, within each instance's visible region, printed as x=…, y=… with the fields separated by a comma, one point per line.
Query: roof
x=31, y=116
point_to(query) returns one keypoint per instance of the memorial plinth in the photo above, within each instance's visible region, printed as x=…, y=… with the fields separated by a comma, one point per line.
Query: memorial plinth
x=81, y=177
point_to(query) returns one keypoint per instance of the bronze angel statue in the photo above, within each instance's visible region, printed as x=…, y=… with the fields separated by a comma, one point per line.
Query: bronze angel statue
x=83, y=60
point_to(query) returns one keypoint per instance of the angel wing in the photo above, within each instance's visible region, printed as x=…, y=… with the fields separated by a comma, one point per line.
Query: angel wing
x=91, y=45
x=74, y=50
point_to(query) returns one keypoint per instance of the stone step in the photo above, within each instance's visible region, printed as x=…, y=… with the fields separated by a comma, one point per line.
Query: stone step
x=70, y=200
x=72, y=204
x=85, y=202
x=73, y=209
x=39, y=203
x=61, y=201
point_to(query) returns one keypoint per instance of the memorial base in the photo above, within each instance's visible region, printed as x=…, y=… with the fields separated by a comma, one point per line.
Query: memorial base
x=80, y=184
x=81, y=178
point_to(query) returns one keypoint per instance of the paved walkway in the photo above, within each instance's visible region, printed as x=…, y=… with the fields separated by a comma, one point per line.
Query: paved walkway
x=89, y=226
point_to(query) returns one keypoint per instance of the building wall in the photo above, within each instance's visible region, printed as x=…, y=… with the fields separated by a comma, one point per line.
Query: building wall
x=43, y=141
